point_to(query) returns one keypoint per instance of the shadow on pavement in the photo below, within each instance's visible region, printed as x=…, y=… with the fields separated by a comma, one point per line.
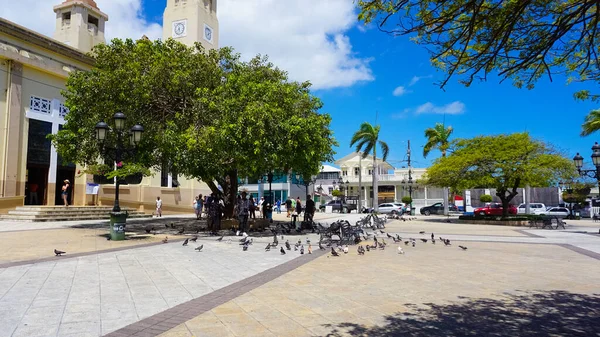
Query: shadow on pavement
x=553, y=313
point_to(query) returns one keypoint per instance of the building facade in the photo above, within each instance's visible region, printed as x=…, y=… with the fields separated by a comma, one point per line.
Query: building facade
x=33, y=72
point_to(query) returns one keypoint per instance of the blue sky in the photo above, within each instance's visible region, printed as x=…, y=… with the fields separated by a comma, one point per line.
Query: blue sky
x=355, y=72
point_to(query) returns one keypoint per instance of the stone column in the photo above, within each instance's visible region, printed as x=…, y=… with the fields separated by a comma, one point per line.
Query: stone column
x=13, y=156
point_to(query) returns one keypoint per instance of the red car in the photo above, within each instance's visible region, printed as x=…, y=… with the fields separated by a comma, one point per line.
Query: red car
x=494, y=209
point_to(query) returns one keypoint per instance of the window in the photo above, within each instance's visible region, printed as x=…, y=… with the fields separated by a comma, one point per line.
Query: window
x=356, y=171
x=93, y=24
x=66, y=19
x=168, y=171
x=345, y=173
x=62, y=110
x=41, y=105
x=370, y=172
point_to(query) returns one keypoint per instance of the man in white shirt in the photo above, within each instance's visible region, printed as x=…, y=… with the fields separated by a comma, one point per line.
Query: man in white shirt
x=243, y=209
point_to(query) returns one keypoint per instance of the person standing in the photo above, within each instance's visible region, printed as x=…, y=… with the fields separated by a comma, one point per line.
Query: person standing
x=196, y=206
x=243, y=211
x=309, y=210
x=298, y=206
x=158, y=207
x=252, y=208
x=33, y=193
x=278, y=204
x=200, y=206
x=65, y=192
x=288, y=206
x=261, y=203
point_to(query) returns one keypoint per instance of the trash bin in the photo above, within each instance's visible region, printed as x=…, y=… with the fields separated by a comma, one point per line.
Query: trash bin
x=117, y=225
x=294, y=218
x=269, y=211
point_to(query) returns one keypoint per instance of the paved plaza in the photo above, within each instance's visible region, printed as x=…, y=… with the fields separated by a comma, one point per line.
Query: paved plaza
x=511, y=281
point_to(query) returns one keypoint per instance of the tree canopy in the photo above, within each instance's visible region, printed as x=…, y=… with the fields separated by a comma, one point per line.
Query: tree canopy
x=207, y=114
x=438, y=137
x=503, y=162
x=518, y=40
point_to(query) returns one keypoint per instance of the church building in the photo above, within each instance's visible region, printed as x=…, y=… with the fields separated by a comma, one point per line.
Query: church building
x=33, y=72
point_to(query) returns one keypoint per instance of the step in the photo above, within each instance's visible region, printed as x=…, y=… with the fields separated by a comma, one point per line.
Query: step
x=38, y=218
x=64, y=211
x=62, y=208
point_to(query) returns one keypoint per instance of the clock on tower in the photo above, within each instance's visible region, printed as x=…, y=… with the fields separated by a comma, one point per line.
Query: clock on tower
x=192, y=21
x=179, y=28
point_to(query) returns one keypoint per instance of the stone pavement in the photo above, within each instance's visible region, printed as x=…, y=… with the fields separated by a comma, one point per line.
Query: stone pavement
x=222, y=291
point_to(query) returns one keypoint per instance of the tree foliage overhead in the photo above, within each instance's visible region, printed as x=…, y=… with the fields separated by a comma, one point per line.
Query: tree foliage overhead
x=520, y=40
x=503, y=162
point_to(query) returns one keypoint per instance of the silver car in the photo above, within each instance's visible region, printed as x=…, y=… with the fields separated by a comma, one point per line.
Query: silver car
x=390, y=208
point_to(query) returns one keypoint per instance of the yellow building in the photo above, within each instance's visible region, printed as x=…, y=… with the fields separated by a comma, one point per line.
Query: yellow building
x=33, y=72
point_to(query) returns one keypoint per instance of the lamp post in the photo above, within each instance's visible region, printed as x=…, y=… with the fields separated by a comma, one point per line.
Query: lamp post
x=594, y=174
x=118, y=218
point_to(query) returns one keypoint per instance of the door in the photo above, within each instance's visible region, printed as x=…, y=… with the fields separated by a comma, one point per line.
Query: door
x=438, y=208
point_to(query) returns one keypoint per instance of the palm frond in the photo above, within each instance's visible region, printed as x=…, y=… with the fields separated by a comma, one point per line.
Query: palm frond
x=591, y=123
x=384, y=149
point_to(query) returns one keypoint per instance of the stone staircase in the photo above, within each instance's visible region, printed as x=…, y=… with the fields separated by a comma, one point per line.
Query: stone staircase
x=62, y=213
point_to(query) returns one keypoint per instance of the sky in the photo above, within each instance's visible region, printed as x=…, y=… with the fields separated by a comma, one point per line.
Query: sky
x=360, y=73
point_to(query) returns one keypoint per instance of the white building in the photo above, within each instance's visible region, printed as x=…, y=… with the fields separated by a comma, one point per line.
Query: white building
x=393, y=183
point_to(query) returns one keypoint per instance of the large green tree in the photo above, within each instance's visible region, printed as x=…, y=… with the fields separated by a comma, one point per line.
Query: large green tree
x=503, y=162
x=366, y=140
x=156, y=84
x=261, y=123
x=517, y=40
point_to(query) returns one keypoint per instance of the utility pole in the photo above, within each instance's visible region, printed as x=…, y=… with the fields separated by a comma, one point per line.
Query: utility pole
x=409, y=179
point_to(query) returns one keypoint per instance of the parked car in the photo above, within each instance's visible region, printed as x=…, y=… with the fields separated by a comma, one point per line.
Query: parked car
x=561, y=212
x=338, y=205
x=534, y=208
x=391, y=208
x=437, y=208
x=494, y=209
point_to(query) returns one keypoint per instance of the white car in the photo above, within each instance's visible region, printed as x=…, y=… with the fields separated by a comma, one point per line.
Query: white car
x=534, y=208
x=561, y=212
x=390, y=208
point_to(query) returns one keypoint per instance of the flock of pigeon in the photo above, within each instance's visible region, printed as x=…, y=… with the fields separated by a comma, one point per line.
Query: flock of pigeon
x=246, y=241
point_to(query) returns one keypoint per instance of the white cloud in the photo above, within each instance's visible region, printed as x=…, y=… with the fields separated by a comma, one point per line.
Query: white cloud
x=125, y=17
x=454, y=108
x=305, y=37
x=401, y=90
x=416, y=79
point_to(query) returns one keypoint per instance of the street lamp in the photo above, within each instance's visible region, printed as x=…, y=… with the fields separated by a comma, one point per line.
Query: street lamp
x=594, y=174
x=118, y=218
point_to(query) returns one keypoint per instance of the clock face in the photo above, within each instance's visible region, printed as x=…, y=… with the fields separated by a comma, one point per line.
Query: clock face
x=179, y=28
x=208, y=33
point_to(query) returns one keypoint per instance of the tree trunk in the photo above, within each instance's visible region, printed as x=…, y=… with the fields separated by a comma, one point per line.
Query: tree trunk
x=229, y=183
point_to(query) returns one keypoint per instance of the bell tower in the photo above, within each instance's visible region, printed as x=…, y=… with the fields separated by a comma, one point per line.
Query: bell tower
x=80, y=24
x=190, y=21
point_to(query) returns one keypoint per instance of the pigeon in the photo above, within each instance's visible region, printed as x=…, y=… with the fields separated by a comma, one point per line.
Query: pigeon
x=185, y=242
x=58, y=252
x=194, y=239
x=414, y=243
x=172, y=225
x=321, y=246
x=181, y=231
x=295, y=248
x=220, y=239
x=433, y=241
x=406, y=242
x=333, y=252
x=199, y=248
x=108, y=238
x=166, y=226
x=302, y=250
x=307, y=241
x=228, y=241
x=309, y=249
x=382, y=232
x=398, y=237
x=383, y=242
x=441, y=239
x=447, y=242
x=282, y=251
x=360, y=250
x=424, y=240
x=463, y=247
x=389, y=236
x=422, y=232
x=368, y=248
x=166, y=239
x=432, y=236
x=268, y=247
x=400, y=250
x=245, y=248
x=237, y=233
x=346, y=249
x=287, y=245
x=375, y=239
x=148, y=230
x=381, y=246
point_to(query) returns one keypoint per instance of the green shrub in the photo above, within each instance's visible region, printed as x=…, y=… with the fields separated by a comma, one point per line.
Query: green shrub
x=407, y=200
x=486, y=198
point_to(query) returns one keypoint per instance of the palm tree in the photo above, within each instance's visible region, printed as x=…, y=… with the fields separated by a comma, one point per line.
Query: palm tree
x=366, y=140
x=438, y=138
x=591, y=124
